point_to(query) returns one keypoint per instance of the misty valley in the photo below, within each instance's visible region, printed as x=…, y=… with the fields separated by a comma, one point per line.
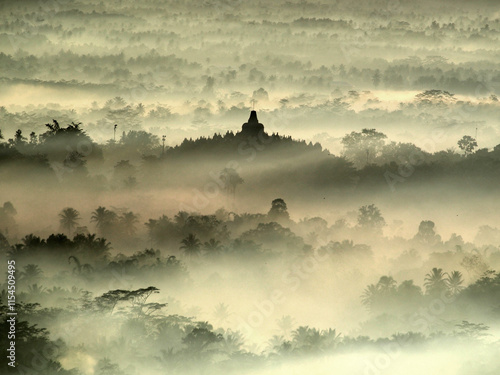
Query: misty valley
x=229, y=187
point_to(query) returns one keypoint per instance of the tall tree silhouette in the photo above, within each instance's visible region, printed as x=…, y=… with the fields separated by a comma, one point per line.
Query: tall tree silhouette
x=278, y=210
x=454, y=282
x=231, y=180
x=363, y=147
x=68, y=218
x=80, y=269
x=426, y=234
x=19, y=139
x=103, y=218
x=181, y=218
x=369, y=217
x=467, y=144
x=221, y=313
x=435, y=281
x=128, y=221
x=31, y=273
x=191, y=245
x=212, y=247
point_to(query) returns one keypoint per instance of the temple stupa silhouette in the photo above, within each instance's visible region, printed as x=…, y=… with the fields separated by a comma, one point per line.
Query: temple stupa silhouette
x=253, y=126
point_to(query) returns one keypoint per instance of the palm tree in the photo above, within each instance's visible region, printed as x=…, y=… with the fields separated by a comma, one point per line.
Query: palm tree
x=275, y=343
x=103, y=218
x=36, y=289
x=376, y=295
x=57, y=291
x=285, y=325
x=300, y=335
x=181, y=218
x=369, y=294
x=454, y=282
x=32, y=241
x=435, y=282
x=212, y=247
x=98, y=216
x=221, y=313
x=151, y=225
x=232, y=342
x=314, y=340
x=94, y=248
x=191, y=245
x=69, y=218
x=386, y=284
x=31, y=273
x=331, y=337
x=87, y=269
x=128, y=220
x=80, y=269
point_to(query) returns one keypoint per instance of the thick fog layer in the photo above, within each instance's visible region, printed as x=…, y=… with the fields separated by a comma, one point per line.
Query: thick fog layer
x=243, y=187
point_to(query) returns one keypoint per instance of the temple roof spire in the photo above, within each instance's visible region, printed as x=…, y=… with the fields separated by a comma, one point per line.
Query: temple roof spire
x=253, y=126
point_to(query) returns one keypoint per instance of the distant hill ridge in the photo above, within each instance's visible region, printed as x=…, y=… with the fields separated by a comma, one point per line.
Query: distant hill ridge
x=251, y=140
